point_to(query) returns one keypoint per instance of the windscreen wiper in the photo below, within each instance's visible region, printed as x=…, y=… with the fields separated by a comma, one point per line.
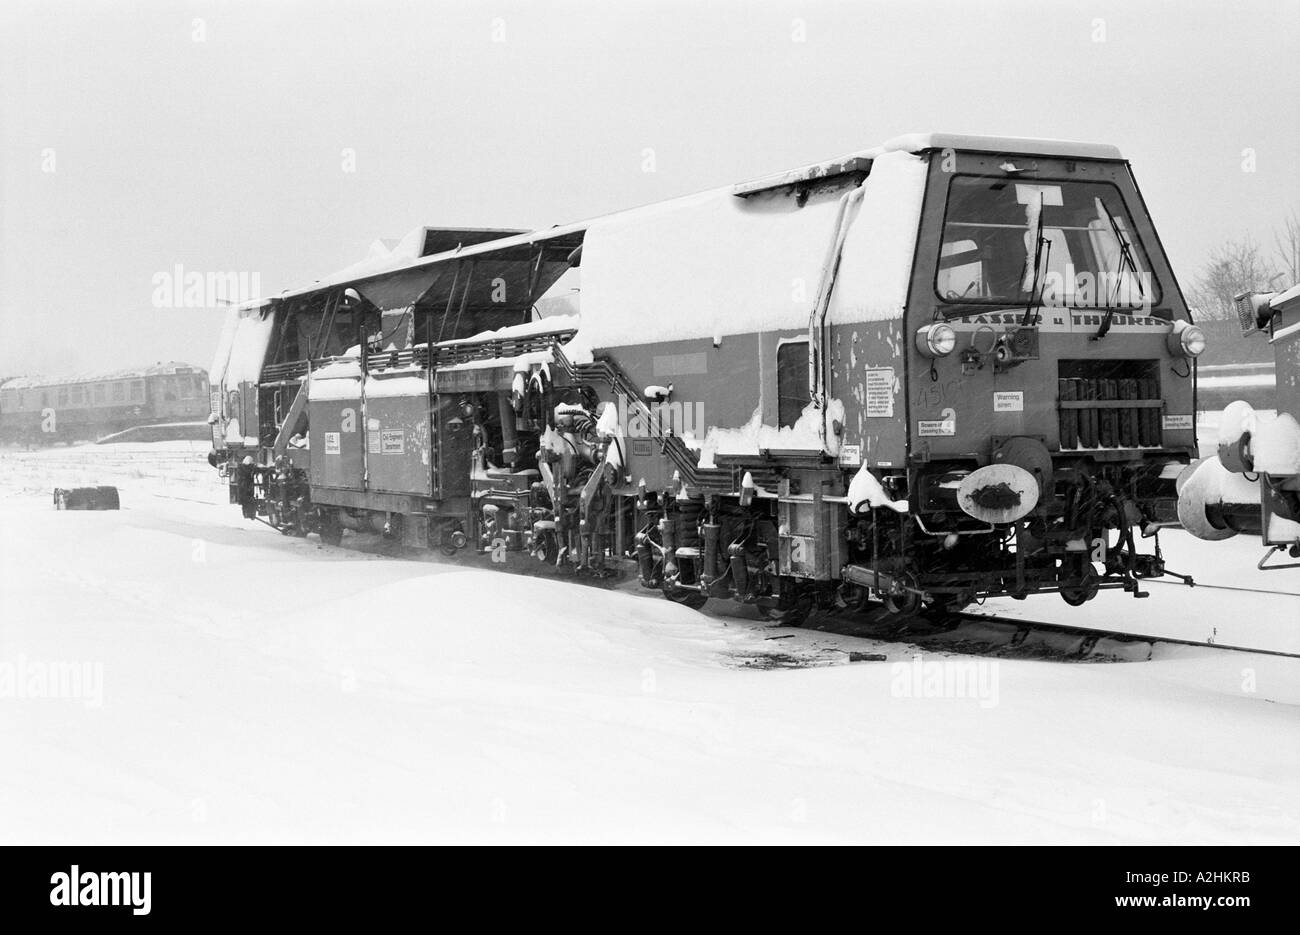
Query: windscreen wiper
x=1030, y=317
x=1125, y=259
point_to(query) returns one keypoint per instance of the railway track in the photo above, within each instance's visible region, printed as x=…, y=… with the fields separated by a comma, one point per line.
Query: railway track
x=970, y=631
x=1225, y=587
x=1089, y=638
x=967, y=631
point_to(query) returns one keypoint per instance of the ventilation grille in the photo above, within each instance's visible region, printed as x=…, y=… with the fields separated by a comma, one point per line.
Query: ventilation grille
x=1109, y=404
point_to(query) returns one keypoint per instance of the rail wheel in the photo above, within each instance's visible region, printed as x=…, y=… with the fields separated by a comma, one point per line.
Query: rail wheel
x=452, y=539
x=941, y=610
x=795, y=616
x=331, y=530
x=685, y=596
x=905, y=604
x=853, y=598
x=902, y=602
x=792, y=608
x=1082, y=578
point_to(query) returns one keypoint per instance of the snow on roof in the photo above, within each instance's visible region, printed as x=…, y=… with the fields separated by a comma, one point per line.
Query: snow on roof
x=1028, y=146
x=348, y=369
x=1284, y=297
x=384, y=256
x=374, y=267
x=809, y=173
x=169, y=368
x=245, y=336
x=920, y=142
x=741, y=255
x=521, y=363
x=527, y=329
x=406, y=381
x=382, y=260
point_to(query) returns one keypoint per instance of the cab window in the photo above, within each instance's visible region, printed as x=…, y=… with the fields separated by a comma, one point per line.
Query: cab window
x=1008, y=241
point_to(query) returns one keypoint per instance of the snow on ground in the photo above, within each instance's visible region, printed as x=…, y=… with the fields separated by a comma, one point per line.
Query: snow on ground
x=255, y=687
x=163, y=469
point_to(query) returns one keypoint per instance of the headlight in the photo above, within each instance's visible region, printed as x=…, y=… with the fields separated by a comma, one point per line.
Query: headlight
x=938, y=340
x=1188, y=341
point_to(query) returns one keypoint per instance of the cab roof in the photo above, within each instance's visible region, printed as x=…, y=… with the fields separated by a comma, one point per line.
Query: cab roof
x=860, y=162
x=1021, y=146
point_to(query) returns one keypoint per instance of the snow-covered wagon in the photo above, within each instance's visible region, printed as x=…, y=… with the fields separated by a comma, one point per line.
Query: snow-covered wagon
x=1252, y=484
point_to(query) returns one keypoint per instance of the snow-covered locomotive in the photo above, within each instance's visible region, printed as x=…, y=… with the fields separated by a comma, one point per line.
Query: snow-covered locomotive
x=1252, y=484
x=947, y=368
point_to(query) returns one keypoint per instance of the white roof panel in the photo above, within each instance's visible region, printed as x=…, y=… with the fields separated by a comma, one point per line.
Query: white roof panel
x=916, y=142
x=1284, y=298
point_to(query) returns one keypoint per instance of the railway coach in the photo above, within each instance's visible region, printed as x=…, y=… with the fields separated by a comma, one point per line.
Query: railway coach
x=947, y=368
x=89, y=406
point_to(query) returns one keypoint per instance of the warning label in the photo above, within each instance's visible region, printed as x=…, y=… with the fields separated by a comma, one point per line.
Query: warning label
x=1177, y=423
x=932, y=429
x=1009, y=402
x=850, y=455
x=372, y=442
x=879, y=389
x=331, y=443
x=937, y=427
x=392, y=442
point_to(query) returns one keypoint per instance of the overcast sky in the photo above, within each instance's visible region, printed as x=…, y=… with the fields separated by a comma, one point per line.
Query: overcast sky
x=280, y=138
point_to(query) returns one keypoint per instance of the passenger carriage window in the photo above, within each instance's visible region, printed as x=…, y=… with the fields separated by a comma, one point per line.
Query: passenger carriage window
x=791, y=382
x=119, y=392
x=137, y=391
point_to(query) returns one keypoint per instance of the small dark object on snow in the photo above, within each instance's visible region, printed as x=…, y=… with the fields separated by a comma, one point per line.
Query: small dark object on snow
x=866, y=657
x=86, y=498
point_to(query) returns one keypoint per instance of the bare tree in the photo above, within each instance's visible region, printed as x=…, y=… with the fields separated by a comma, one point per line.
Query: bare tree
x=1287, y=241
x=1233, y=267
